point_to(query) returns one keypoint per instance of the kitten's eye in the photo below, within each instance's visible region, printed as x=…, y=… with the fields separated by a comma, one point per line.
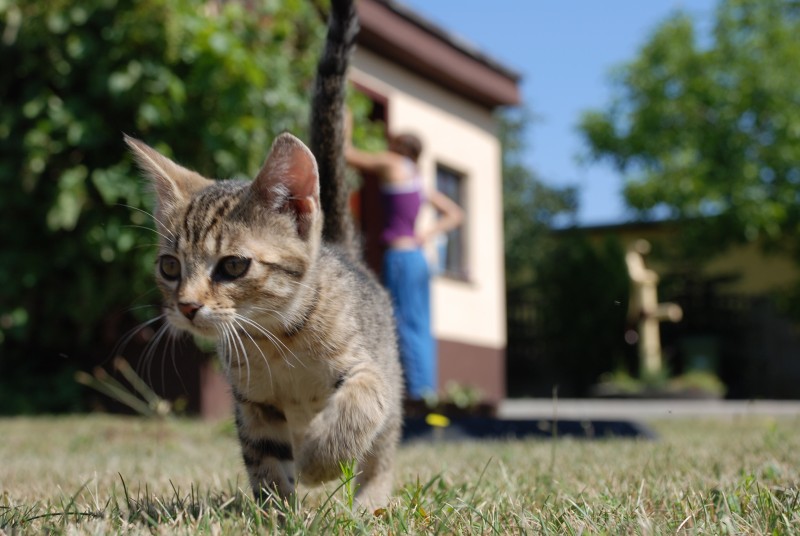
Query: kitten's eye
x=231, y=268
x=170, y=267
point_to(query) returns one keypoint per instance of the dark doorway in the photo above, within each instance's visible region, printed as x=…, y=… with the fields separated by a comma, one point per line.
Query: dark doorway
x=366, y=202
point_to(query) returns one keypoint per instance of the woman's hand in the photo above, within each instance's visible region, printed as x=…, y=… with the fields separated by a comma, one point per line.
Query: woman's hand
x=450, y=216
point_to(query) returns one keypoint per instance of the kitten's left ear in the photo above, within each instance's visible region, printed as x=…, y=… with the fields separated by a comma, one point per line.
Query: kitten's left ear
x=289, y=180
x=172, y=182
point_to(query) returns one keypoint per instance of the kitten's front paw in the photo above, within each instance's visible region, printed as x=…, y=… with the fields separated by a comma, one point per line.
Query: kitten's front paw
x=315, y=464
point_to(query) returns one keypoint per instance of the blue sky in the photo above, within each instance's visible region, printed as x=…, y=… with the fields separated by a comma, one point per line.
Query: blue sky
x=565, y=51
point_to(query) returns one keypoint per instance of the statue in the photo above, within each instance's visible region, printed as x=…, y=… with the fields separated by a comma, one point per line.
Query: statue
x=645, y=310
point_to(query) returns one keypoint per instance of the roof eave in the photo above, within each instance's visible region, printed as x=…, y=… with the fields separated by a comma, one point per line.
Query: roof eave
x=399, y=35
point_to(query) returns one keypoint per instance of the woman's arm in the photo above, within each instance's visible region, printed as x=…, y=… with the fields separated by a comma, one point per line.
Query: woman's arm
x=450, y=216
x=378, y=163
x=366, y=162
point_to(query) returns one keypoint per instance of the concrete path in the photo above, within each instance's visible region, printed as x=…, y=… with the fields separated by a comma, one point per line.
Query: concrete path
x=605, y=409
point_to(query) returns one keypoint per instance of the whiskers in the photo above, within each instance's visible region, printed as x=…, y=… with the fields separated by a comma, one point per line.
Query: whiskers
x=163, y=335
x=279, y=344
x=170, y=337
x=249, y=345
x=231, y=346
x=241, y=334
x=320, y=345
x=162, y=235
x=171, y=239
x=304, y=285
x=128, y=336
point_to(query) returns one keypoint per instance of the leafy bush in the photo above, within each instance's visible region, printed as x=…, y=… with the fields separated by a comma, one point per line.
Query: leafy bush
x=567, y=297
x=582, y=305
x=211, y=87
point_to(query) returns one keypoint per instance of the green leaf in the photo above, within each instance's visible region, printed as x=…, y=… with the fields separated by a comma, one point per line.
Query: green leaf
x=69, y=201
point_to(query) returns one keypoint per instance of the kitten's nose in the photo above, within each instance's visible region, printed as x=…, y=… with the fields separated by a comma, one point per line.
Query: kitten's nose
x=189, y=309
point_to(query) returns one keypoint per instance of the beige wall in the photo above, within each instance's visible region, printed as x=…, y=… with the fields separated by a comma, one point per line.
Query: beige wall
x=461, y=136
x=757, y=272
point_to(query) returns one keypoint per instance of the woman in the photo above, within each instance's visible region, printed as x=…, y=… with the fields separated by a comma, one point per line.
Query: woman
x=405, y=270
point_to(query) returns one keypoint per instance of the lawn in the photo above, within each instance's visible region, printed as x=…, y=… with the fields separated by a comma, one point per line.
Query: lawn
x=101, y=474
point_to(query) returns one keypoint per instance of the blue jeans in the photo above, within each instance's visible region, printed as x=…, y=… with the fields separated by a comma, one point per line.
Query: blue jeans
x=406, y=276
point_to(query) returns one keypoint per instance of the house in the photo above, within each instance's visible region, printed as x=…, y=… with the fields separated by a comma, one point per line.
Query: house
x=744, y=270
x=423, y=80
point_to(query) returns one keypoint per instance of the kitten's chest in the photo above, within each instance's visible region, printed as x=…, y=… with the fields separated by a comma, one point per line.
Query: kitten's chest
x=282, y=376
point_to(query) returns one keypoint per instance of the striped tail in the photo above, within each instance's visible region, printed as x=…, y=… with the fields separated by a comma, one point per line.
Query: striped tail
x=327, y=114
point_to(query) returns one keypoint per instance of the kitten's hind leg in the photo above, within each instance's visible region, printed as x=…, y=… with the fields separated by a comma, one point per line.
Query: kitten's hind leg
x=266, y=450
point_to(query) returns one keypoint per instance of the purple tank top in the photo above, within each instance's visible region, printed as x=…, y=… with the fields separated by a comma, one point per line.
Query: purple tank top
x=401, y=204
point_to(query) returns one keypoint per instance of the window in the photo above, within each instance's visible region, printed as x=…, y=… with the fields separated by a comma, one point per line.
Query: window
x=451, y=249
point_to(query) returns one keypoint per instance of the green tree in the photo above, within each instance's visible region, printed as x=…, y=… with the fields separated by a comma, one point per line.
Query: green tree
x=531, y=207
x=210, y=85
x=704, y=127
x=582, y=306
x=566, y=296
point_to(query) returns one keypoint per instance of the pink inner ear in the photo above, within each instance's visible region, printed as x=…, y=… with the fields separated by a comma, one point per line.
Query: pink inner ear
x=289, y=181
x=289, y=165
x=302, y=205
x=301, y=177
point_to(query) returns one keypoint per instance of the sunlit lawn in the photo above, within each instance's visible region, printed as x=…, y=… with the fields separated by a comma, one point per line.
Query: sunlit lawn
x=101, y=474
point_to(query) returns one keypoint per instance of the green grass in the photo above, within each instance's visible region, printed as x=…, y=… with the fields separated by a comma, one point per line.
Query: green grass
x=103, y=474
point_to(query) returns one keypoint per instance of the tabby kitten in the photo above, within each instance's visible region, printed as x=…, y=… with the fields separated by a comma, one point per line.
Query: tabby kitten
x=304, y=331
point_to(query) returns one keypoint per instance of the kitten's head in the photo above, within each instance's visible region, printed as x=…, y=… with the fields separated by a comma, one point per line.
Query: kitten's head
x=232, y=254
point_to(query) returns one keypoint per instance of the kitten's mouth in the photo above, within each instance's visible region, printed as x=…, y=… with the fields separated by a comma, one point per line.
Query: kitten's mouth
x=195, y=327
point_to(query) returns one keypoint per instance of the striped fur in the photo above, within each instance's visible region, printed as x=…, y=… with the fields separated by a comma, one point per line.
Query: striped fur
x=305, y=335
x=304, y=331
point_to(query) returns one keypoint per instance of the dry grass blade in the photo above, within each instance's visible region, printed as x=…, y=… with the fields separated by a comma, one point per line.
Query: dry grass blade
x=142, y=399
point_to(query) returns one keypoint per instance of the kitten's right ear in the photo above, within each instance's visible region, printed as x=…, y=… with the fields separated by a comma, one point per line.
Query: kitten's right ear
x=173, y=183
x=289, y=181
